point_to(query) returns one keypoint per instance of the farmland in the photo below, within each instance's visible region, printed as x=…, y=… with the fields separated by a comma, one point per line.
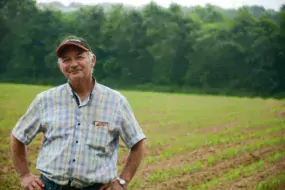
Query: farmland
x=194, y=141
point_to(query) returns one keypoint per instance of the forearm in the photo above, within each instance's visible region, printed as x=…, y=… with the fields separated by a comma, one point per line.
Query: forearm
x=133, y=161
x=19, y=156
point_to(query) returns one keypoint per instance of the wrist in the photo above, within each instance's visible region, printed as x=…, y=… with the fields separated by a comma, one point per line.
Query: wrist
x=122, y=182
x=125, y=177
x=23, y=175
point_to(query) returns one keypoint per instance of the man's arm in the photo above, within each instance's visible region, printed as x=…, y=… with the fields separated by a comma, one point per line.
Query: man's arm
x=20, y=161
x=19, y=156
x=133, y=161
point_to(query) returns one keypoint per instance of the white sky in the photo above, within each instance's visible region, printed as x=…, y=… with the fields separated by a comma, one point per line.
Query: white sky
x=269, y=4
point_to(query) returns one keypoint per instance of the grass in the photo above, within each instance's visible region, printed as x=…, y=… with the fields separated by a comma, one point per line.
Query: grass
x=175, y=124
x=278, y=155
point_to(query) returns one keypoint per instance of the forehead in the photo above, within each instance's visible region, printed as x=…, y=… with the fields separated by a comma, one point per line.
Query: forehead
x=71, y=51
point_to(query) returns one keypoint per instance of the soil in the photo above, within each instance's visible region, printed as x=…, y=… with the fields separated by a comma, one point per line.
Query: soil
x=206, y=174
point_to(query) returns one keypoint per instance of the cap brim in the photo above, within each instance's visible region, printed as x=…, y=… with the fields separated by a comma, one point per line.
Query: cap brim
x=61, y=47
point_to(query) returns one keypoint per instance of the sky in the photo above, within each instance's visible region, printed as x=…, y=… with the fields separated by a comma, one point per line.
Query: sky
x=268, y=4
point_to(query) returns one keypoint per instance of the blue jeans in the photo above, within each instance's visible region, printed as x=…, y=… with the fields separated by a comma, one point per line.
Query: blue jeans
x=50, y=185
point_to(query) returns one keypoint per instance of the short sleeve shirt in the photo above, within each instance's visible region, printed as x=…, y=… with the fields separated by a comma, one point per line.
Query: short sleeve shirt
x=81, y=137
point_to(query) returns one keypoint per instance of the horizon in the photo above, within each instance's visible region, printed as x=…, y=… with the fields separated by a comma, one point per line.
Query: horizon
x=229, y=4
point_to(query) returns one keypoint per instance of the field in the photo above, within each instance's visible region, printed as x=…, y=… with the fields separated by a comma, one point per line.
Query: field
x=194, y=141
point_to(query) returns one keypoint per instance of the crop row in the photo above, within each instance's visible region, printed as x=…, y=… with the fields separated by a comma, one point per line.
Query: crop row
x=236, y=173
x=198, y=165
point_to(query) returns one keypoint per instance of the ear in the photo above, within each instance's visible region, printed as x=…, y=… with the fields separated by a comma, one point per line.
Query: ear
x=93, y=61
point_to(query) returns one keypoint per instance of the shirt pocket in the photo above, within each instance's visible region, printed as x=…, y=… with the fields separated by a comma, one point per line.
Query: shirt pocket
x=98, y=137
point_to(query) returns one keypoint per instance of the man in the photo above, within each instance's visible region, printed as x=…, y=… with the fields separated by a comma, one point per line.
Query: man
x=82, y=121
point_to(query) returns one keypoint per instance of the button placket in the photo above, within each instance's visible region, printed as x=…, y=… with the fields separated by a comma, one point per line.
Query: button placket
x=78, y=124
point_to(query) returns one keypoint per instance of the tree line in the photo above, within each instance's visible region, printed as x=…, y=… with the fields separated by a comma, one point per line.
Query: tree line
x=205, y=48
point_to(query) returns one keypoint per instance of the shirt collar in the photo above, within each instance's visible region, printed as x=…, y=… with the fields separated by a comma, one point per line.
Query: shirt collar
x=95, y=89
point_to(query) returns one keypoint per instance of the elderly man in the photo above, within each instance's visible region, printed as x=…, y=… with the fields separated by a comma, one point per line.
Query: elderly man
x=82, y=121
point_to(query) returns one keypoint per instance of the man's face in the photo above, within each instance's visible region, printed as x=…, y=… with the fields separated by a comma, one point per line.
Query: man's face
x=76, y=64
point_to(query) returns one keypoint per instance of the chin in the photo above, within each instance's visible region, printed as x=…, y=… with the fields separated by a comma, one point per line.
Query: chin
x=75, y=77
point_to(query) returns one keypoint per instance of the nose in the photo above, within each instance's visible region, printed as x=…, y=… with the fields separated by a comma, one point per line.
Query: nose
x=73, y=63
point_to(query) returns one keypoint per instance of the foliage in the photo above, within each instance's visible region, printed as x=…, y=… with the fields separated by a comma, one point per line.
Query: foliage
x=199, y=47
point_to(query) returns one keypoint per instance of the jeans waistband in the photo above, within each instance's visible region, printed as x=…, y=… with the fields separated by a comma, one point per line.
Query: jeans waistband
x=50, y=185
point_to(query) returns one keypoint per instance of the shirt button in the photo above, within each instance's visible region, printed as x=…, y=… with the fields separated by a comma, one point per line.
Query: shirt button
x=73, y=160
x=76, y=141
x=78, y=124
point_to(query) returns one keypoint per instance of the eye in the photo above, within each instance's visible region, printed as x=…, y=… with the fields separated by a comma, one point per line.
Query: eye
x=65, y=60
x=79, y=57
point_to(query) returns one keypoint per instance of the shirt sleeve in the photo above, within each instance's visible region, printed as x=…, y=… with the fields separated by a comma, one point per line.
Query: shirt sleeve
x=130, y=131
x=29, y=124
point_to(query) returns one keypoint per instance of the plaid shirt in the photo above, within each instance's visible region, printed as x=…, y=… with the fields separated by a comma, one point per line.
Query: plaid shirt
x=81, y=137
